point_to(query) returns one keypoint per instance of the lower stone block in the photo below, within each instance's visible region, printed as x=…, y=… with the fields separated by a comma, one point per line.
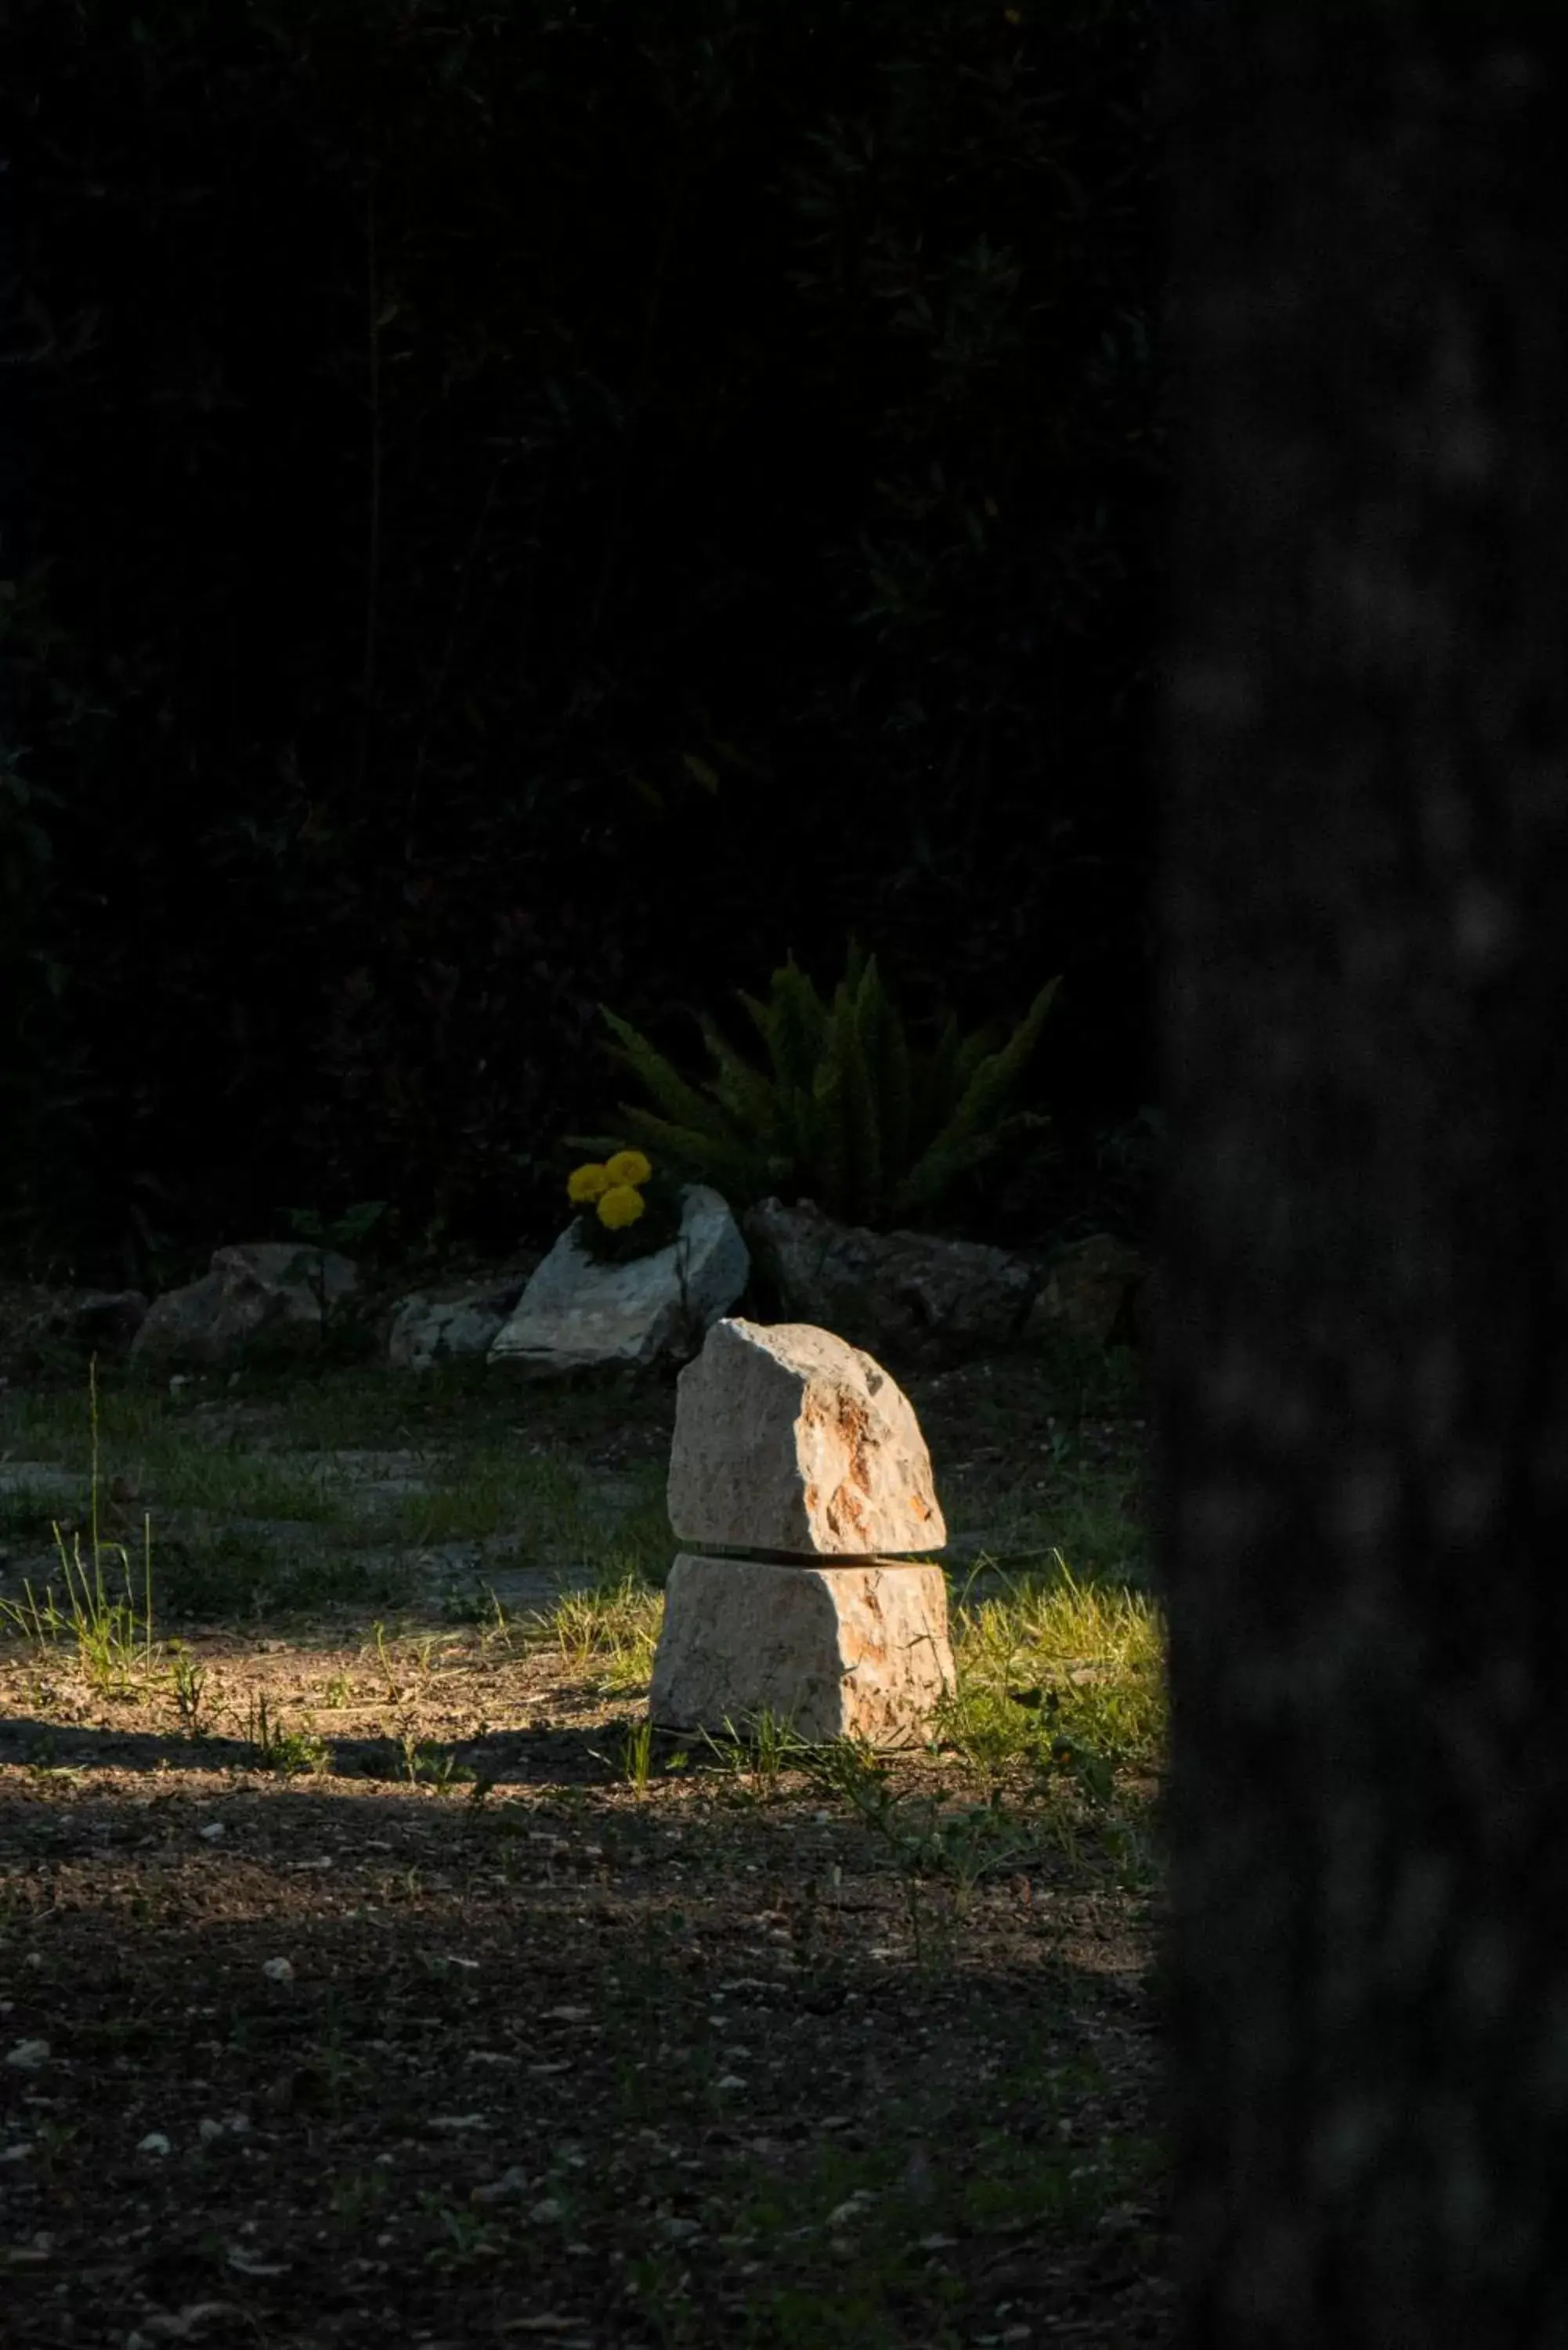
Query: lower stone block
x=853, y=1651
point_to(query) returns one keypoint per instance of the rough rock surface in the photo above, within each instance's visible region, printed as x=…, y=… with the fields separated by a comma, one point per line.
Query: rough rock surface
x=908, y=1296
x=855, y=1652
x=788, y=1439
x=429, y=1327
x=1092, y=1289
x=46, y=1329
x=575, y=1313
x=264, y=1291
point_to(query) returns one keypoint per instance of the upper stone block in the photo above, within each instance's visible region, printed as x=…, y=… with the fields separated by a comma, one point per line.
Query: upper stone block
x=788, y=1439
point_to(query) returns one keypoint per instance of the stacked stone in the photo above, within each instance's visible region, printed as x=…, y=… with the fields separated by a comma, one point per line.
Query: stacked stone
x=798, y=1452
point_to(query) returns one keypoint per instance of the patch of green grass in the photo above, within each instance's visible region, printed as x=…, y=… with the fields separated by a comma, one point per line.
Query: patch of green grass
x=753, y=1754
x=479, y=1607
x=112, y=1636
x=634, y=1760
x=611, y=1630
x=427, y=1764
x=1093, y=1527
x=343, y=1411
x=239, y=1484
x=278, y=1748
x=1073, y=1500
x=1059, y=1670
x=188, y=1687
x=547, y=1504
x=333, y=1410
x=209, y=1579
x=486, y=1491
x=46, y=1425
x=1089, y=1380
x=640, y=1545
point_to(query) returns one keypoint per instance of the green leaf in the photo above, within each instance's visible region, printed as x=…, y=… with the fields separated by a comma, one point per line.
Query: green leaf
x=968, y=1135
x=681, y=1103
x=891, y=1077
x=357, y=1220
x=594, y=1147
x=824, y=1176
x=796, y=1032
x=701, y=773
x=742, y=1092
x=975, y=1049
x=856, y=1013
x=939, y=1089
x=712, y=1157
x=937, y=1170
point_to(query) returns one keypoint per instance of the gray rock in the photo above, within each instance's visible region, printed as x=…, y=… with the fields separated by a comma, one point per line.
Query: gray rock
x=430, y=1328
x=910, y=1299
x=857, y=1651
x=257, y=1297
x=45, y=1329
x=788, y=1439
x=575, y=1313
x=1091, y=1290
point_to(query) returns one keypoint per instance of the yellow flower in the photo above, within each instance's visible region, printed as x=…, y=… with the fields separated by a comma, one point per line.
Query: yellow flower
x=585, y=1184
x=629, y=1167
x=619, y=1206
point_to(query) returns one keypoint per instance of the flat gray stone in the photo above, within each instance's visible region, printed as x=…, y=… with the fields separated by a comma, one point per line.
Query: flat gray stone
x=428, y=1328
x=913, y=1299
x=576, y=1313
x=787, y=1439
x=847, y=1652
x=260, y=1290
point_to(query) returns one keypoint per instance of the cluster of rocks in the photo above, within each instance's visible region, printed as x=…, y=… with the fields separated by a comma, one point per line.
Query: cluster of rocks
x=928, y=1302
x=800, y=1478
x=913, y=1300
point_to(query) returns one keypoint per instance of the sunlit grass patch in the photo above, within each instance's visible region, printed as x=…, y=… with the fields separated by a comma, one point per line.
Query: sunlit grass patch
x=609, y=1632
x=110, y=1629
x=1059, y=1667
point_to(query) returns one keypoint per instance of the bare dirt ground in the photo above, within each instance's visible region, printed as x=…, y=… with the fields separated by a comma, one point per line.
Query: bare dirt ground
x=379, y=1989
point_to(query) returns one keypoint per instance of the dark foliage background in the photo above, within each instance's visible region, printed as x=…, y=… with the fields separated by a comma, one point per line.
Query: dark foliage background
x=509, y=506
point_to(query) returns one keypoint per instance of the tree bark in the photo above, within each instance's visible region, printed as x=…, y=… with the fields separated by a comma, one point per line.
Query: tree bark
x=1364, y=1372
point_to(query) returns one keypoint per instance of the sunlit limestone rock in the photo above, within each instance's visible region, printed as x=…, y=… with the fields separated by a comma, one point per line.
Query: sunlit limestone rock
x=843, y=1651
x=788, y=1439
x=790, y=1443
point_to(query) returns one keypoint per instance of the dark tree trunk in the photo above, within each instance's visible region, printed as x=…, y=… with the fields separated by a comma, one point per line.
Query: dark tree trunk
x=1365, y=1376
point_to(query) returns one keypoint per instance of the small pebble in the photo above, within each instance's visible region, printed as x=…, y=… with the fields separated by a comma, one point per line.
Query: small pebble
x=512, y=2182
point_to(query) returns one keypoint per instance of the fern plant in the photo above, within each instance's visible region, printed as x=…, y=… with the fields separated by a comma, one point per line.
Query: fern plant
x=846, y=1111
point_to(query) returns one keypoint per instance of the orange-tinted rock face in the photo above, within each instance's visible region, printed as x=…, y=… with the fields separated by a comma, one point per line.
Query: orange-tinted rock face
x=788, y=1439
x=846, y=1651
